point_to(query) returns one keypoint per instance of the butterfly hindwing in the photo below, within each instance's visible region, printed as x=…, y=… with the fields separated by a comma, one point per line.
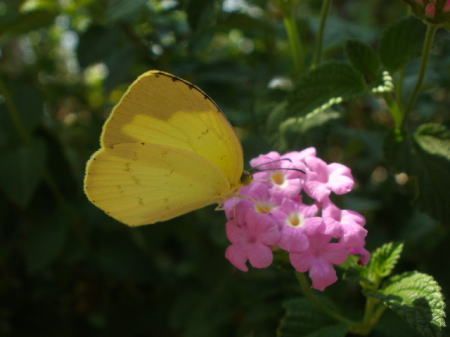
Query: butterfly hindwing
x=140, y=184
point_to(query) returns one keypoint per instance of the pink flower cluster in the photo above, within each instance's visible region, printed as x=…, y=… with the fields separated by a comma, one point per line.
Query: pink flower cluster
x=435, y=11
x=271, y=214
x=430, y=7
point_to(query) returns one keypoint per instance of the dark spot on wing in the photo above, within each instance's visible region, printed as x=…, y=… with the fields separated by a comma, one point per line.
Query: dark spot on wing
x=203, y=133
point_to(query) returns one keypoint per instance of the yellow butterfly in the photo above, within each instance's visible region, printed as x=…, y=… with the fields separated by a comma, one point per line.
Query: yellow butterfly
x=166, y=149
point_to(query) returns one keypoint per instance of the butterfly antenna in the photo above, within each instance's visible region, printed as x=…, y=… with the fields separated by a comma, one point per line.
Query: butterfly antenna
x=271, y=162
x=283, y=169
x=258, y=169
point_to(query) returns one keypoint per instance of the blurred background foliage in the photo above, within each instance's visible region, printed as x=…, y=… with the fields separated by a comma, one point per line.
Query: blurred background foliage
x=66, y=269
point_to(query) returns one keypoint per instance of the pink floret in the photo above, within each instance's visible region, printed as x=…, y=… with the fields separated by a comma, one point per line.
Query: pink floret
x=319, y=259
x=252, y=238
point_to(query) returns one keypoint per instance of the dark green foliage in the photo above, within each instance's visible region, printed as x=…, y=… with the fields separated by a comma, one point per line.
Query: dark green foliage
x=322, y=84
x=303, y=319
x=432, y=145
x=401, y=42
x=365, y=59
x=21, y=170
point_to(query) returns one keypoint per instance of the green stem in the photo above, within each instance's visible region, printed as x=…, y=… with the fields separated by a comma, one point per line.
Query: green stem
x=399, y=88
x=318, y=303
x=374, y=309
x=295, y=44
x=428, y=43
x=372, y=314
x=396, y=112
x=323, y=20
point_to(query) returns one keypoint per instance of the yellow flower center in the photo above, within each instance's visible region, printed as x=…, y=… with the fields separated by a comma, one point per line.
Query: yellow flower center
x=295, y=220
x=263, y=207
x=278, y=178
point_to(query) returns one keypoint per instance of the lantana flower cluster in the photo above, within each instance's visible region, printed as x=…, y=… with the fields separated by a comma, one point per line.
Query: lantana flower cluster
x=288, y=206
x=434, y=11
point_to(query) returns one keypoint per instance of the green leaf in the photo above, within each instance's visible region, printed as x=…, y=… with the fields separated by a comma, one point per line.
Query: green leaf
x=303, y=319
x=434, y=139
x=417, y=298
x=45, y=241
x=322, y=84
x=311, y=121
x=383, y=261
x=21, y=170
x=432, y=167
x=401, y=43
x=364, y=59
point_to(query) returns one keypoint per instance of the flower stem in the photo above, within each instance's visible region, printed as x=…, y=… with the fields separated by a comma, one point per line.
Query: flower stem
x=295, y=43
x=396, y=112
x=372, y=314
x=428, y=43
x=323, y=20
x=373, y=311
x=318, y=303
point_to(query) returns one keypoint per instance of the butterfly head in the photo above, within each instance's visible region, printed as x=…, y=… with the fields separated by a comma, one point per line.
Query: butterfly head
x=246, y=178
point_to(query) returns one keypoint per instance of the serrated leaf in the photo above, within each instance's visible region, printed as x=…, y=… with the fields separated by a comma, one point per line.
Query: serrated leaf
x=401, y=42
x=432, y=167
x=417, y=298
x=383, y=261
x=364, y=59
x=322, y=84
x=21, y=170
x=303, y=319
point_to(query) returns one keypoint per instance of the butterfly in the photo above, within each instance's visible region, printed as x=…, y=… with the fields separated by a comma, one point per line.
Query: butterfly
x=165, y=150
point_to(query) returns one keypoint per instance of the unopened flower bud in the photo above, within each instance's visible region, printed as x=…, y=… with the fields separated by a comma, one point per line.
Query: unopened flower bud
x=433, y=11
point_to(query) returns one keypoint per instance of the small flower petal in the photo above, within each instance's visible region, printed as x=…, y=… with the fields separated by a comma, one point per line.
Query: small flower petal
x=237, y=256
x=260, y=255
x=322, y=275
